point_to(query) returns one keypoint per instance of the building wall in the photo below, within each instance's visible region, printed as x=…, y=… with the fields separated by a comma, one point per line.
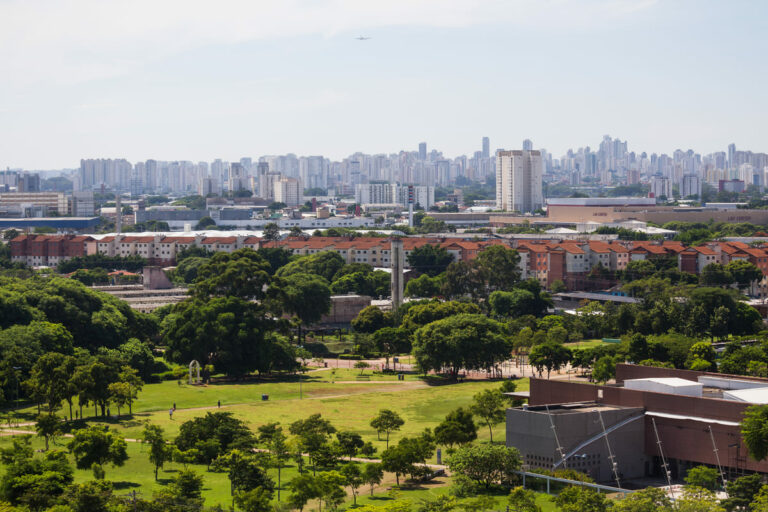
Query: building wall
x=682, y=439
x=530, y=431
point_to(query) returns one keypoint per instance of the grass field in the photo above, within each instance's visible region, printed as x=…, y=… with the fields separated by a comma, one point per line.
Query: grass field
x=349, y=404
x=585, y=344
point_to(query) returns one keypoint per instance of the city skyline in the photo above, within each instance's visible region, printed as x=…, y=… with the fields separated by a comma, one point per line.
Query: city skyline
x=144, y=81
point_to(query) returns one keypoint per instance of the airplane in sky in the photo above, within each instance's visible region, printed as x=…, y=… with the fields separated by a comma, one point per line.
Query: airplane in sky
x=362, y=38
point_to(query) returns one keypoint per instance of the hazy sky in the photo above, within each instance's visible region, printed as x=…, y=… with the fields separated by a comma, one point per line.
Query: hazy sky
x=198, y=80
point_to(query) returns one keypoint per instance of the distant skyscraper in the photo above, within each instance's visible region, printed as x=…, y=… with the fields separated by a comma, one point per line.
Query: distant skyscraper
x=691, y=186
x=518, y=181
x=288, y=191
x=486, y=147
x=731, y=156
x=527, y=145
x=422, y=150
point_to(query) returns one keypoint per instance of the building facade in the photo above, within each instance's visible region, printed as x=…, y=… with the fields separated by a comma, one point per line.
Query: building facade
x=519, y=181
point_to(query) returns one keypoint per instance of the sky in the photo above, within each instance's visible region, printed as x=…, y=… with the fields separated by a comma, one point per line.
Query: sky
x=199, y=80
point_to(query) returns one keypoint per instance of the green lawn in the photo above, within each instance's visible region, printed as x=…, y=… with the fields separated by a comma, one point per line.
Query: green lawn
x=348, y=406
x=585, y=344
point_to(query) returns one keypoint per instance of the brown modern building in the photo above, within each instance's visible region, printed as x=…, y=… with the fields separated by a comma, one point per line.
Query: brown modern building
x=690, y=418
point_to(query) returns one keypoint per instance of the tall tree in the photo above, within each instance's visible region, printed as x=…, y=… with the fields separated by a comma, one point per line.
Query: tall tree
x=159, y=450
x=305, y=295
x=243, y=274
x=429, y=259
x=387, y=421
x=462, y=341
x=96, y=445
x=456, y=428
x=490, y=405
x=754, y=431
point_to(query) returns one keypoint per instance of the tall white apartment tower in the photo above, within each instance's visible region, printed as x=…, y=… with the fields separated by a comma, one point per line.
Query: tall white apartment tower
x=518, y=180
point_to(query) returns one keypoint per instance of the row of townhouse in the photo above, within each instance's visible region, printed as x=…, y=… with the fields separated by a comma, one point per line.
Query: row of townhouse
x=570, y=261
x=45, y=250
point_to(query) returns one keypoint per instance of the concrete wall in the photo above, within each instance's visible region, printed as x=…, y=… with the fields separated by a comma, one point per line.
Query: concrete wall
x=530, y=432
x=684, y=437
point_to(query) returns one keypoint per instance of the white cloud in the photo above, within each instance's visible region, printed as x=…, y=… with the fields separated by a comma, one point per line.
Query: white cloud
x=81, y=40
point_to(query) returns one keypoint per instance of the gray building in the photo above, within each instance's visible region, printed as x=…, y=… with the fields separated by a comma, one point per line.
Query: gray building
x=572, y=436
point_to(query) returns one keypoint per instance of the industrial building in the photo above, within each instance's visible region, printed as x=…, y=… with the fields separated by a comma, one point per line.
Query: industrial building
x=653, y=420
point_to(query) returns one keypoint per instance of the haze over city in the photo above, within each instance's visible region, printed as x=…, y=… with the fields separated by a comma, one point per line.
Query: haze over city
x=195, y=81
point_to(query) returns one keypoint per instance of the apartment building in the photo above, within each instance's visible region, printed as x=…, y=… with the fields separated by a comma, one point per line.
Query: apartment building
x=580, y=265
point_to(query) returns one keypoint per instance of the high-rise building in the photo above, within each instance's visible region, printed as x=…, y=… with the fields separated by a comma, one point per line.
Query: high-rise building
x=422, y=150
x=82, y=204
x=731, y=155
x=661, y=187
x=238, y=180
x=288, y=191
x=527, y=145
x=518, y=181
x=690, y=186
x=486, y=147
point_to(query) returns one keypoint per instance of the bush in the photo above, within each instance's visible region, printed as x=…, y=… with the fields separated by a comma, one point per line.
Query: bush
x=351, y=357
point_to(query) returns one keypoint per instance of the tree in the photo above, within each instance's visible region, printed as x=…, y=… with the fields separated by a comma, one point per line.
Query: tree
x=278, y=449
x=229, y=333
x=523, y=500
x=456, y=428
x=419, y=314
x=326, y=264
x=254, y=500
x=743, y=272
x=331, y=491
x=372, y=475
x=462, y=341
x=604, y=369
x=271, y=232
x=464, y=278
x=489, y=405
x=387, y=421
x=120, y=393
x=159, y=450
x=184, y=493
x=229, y=433
x=33, y=482
x=97, y=445
x=429, y=259
x=243, y=274
x=558, y=286
x=93, y=496
x=303, y=488
x=390, y=341
x=702, y=476
x=500, y=267
x=246, y=471
x=48, y=426
x=651, y=499
x=205, y=223
x=696, y=499
x=754, y=431
x=514, y=304
x=581, y=499
x=305, y=295
x=551, y=356
x=703, y=356
x=742, y=491
x=349, y=443
x=485, y=464
x=371, y=319
x=353, y=479
x=313, y=433
x=49, y=379
x=424, y=286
